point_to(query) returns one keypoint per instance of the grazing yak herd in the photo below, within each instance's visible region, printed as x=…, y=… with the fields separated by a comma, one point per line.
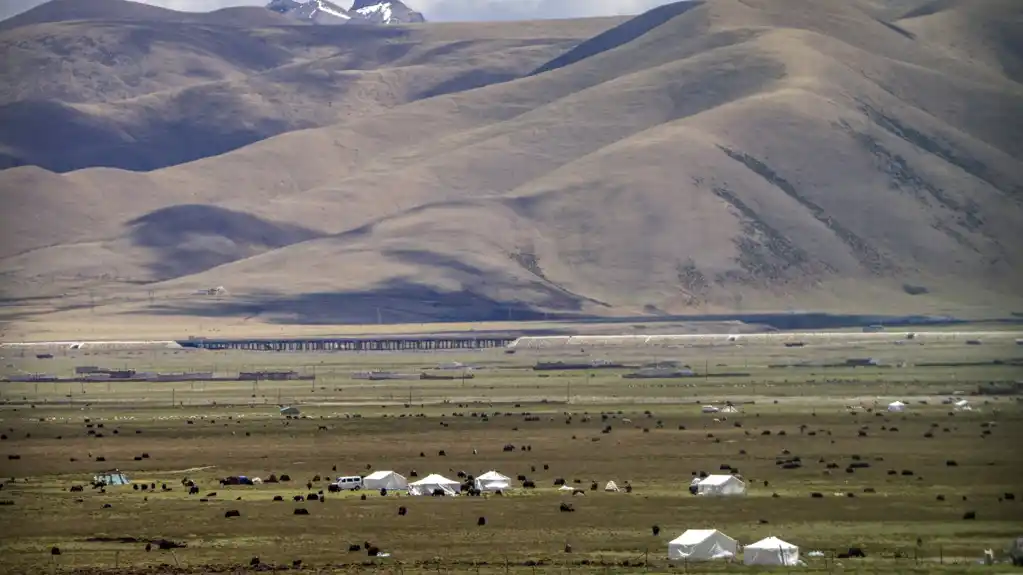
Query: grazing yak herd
x=318, y=488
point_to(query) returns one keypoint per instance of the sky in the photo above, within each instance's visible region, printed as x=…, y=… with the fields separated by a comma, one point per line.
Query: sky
x=435, y=10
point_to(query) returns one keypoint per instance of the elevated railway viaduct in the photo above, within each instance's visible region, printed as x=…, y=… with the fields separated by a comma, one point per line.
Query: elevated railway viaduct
x=389, y=343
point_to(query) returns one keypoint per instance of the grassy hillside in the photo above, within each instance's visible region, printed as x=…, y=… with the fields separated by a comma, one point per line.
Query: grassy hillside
x=141, y=88
x=723, y=155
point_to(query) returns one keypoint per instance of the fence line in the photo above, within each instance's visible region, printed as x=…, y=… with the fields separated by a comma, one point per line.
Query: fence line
x=919, y=559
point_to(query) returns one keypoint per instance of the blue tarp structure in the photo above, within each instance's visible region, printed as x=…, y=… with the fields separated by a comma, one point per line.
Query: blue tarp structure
x=112, y=478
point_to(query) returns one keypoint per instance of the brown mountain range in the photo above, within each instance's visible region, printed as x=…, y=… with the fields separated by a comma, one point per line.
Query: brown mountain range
x=718, y=156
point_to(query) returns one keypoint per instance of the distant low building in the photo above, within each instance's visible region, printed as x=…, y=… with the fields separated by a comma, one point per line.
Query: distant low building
x=660, y=373
x=32, y=377
x=270, y=375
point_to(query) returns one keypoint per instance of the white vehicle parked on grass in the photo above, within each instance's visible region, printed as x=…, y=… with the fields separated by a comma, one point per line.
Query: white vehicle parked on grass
x=350, y=483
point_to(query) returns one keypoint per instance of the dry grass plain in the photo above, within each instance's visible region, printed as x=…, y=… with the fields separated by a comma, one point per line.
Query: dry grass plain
x=403, y=425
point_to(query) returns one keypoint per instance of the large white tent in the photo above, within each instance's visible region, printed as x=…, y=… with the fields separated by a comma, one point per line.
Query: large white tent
x=492, y=481
x=701, y=545
x=388, y=480
x=896, y=406
x=771, y=551
x=721, y=485
x=433, y=482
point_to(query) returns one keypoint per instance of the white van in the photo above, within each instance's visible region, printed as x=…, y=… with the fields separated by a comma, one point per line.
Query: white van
x=353, y=483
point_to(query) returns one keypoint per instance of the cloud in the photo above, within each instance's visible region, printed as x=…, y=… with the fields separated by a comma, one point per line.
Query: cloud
x=436, y=10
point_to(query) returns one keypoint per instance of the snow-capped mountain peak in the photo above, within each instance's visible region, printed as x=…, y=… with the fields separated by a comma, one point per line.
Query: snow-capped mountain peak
x=361, y=12
x=315, y=11
x=385, y=12
x=378, y=12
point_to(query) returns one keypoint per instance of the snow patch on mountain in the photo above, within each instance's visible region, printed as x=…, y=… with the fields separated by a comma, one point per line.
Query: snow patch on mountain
x=315, y=11
x=361, y=12
x=332, y=9
x=378, y=12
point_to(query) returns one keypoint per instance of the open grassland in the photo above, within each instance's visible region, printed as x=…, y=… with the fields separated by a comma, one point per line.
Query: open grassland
x=656, y=439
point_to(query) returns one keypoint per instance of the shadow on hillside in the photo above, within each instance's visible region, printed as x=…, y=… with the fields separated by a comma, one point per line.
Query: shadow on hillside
x=397, y=302
x=206, y=113
x=190, y=238
x=619, y=35
x=463, y=82
x=31, y=128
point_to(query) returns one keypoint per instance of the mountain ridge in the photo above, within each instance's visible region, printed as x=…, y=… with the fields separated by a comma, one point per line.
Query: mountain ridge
x=749, y=161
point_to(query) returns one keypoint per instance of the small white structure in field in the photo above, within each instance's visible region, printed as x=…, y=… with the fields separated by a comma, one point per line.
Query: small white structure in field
x=962, y=405
x=290, y=410
x=771, y=551
x=110, y=478
x=492, y=481
x=897, y=406
x=709, y=409
x=611, y=487
x=701, y=545
x=721, y=485
x=729, y=409
x=433, y=482
x=388, y=480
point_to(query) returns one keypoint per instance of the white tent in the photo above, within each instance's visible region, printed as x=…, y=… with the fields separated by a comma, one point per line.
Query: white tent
x=388, y=480
x=432, y=482
x=701, y=545
x=896, y=406
x=729, y=409
x=721, y=485
x=290, y=410
x=771, y=551
x=611, y=486
x=492, y=481
x=567, y=488
x=963, y=405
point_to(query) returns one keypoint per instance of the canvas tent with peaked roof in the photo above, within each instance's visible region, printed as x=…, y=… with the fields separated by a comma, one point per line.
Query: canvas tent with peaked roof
x=492, y=481
x=702, y=545
x=896, y=406
x=721, y=485
x=771, y=551
x=431, y=483
x=611, y=486
x=388, y=480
